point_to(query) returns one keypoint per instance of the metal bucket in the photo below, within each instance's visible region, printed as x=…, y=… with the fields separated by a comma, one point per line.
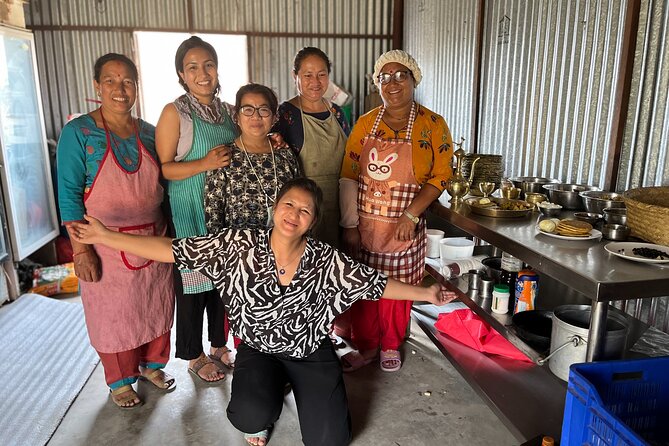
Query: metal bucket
x=569, y=337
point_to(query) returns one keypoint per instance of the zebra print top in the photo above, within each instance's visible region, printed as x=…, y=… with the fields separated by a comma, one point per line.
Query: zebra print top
x=241, y=265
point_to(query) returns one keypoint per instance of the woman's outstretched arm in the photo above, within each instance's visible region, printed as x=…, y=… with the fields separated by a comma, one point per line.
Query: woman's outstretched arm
x=149, y=247
x=436, y=293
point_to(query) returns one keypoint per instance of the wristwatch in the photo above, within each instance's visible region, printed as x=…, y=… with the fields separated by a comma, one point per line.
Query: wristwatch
x=411, y=217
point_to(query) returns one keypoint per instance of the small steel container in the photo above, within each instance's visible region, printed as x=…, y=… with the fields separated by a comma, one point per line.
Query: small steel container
x=615, y=232
x=616, y=216
x=589, y=217
x=550, y=212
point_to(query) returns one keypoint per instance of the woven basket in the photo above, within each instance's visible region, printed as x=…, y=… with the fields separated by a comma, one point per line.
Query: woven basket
x=488, y=168
x=648, y=213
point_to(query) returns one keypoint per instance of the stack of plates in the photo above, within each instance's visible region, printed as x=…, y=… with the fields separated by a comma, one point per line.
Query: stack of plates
x=488, y=168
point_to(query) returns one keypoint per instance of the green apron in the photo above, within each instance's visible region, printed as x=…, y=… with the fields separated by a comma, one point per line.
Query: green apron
x=187, y=195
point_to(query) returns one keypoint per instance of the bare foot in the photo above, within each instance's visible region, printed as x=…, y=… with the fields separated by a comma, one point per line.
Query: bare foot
x=158, y=378
x=222, y=354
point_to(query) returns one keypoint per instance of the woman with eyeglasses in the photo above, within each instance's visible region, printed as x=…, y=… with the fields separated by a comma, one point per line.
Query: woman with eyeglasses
x=190, y=140
x=317, y=131
x=241, y=194
x=396, y=164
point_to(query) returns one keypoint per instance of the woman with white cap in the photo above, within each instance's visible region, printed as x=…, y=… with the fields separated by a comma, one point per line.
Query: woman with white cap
x=396, y=164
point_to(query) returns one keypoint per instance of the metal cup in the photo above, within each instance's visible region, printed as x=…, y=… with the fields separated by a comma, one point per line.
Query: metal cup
x=485, y=286
x=473, y=279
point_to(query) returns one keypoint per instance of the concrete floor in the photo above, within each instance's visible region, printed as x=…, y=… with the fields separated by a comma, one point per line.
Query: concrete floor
x=386, y=409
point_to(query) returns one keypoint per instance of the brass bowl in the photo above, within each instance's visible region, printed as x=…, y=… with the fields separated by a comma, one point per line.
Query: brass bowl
x=511, y=193
x=535, y=198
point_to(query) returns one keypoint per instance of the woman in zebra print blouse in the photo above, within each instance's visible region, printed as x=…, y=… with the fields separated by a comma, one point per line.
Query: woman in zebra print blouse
x=283, y=290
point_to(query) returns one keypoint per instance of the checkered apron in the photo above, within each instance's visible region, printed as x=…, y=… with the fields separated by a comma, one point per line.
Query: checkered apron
x=387, y=186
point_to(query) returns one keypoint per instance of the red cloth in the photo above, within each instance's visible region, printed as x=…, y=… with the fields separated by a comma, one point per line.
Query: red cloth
x=468, y=328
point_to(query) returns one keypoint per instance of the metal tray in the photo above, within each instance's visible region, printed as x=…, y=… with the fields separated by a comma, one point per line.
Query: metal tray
x=496, y=212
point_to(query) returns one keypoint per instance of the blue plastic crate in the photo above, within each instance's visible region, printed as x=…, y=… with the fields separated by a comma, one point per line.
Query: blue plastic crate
x=615, y=403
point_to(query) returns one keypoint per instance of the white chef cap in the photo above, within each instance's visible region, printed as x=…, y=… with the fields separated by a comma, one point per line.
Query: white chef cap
x=401, y=57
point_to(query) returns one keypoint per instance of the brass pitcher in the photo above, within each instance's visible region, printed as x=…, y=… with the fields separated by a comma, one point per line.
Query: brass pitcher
x=458, y=186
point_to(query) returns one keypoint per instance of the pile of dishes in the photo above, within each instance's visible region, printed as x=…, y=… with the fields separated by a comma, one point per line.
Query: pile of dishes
x=487, y=169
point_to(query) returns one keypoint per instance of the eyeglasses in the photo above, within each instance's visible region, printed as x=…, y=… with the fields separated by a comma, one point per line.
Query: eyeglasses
x=250, y=110
x=399, y=76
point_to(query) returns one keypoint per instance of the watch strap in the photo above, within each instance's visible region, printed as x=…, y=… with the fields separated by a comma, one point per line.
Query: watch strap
x=411, y=217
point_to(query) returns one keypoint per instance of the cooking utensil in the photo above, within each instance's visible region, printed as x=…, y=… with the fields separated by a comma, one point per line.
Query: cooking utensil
x=494, y=210
x=616, y=232
x=596, y=201
x=567, y=195
x=589, y=217
x=616, y=216
x=534, y=327
x=532, y=184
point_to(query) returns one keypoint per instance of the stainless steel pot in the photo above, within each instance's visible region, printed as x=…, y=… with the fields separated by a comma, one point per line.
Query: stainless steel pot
x=569, y=338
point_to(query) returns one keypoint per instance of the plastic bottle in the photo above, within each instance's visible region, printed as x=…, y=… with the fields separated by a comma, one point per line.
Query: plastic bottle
x=500, y=299
x=527, y=288
x=460, y=266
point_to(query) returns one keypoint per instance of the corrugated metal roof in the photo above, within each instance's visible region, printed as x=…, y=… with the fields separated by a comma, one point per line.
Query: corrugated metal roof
x=447, y=58
x=645, y=157
x=549, y=76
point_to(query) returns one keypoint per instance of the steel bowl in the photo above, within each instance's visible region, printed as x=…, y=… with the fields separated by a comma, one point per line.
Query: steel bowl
x=493, y=268
x=532, y=184
x=596, y=201
x=589, y=217
x=550, y=212
x=616, y=216
x=615, y=232
x=567, y=194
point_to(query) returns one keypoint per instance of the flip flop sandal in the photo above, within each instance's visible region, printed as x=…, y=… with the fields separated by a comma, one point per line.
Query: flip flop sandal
x=218, y=355
x=195, y=369
x=390, y=360
x=352, y=361
x=263, y=434
x=160, y=379
x=126, y=399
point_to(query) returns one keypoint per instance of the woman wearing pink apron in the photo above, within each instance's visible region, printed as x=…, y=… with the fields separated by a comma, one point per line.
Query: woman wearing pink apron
x=106, y=171
x=396, y=164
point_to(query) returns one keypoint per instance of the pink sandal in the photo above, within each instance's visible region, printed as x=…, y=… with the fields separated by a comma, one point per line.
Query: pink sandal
x=391, y=361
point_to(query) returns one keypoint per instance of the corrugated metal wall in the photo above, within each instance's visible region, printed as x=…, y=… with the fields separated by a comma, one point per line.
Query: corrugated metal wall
x=66, y=57
x=645, y=157
x=549, y=76
x=447, y=58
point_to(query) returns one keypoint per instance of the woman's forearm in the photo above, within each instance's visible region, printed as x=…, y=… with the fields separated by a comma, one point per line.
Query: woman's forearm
x=150, y=247
x=396, y=290
x=181, y=170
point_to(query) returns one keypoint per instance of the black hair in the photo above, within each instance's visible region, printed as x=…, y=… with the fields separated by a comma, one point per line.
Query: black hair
x=109, y=57
x=251, y=88
x=310, y=51
x=309, y=186
x=185, y=47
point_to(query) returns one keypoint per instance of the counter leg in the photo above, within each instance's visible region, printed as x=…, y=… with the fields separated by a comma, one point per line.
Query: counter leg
x=597, y=333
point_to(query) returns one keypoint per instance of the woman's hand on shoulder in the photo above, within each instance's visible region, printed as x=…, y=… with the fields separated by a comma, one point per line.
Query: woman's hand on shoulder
x=439, y=294
x=216, y=158
x=277, y=141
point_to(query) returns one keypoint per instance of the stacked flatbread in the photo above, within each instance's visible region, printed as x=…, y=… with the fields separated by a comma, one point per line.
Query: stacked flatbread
x=573, y=228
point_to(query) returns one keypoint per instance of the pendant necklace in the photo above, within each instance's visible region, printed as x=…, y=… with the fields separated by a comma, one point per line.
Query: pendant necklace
x=276, y=180
x=282, y=268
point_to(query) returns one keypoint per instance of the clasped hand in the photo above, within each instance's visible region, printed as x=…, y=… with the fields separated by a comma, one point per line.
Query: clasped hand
x=89, y=233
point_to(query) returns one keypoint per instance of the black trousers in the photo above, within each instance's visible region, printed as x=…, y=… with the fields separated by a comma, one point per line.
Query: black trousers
x=318, y=385
x=190, y=316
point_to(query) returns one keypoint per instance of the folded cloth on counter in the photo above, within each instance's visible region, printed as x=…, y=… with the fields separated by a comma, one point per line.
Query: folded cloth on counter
x=469, y=329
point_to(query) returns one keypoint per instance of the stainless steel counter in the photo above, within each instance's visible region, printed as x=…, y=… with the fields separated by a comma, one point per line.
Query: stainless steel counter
x=583, y=265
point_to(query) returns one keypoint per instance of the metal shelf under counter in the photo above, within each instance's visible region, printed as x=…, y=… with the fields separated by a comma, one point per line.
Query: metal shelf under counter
x=583, y=265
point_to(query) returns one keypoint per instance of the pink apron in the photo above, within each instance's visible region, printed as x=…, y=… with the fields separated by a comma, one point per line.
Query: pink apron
x=133, y=303
x=386, y=188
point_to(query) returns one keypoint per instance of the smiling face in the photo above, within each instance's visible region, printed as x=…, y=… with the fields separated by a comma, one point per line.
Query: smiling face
x=200, y=74
x=312, y=78
x=254, y=125
x=396, y=94
x=294, y=213
x=117, y=87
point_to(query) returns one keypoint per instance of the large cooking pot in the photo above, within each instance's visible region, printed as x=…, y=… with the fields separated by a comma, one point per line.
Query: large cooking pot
x=569, y=338
x=534, y=327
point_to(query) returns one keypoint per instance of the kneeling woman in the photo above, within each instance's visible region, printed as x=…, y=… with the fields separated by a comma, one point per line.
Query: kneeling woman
x=283, y=290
